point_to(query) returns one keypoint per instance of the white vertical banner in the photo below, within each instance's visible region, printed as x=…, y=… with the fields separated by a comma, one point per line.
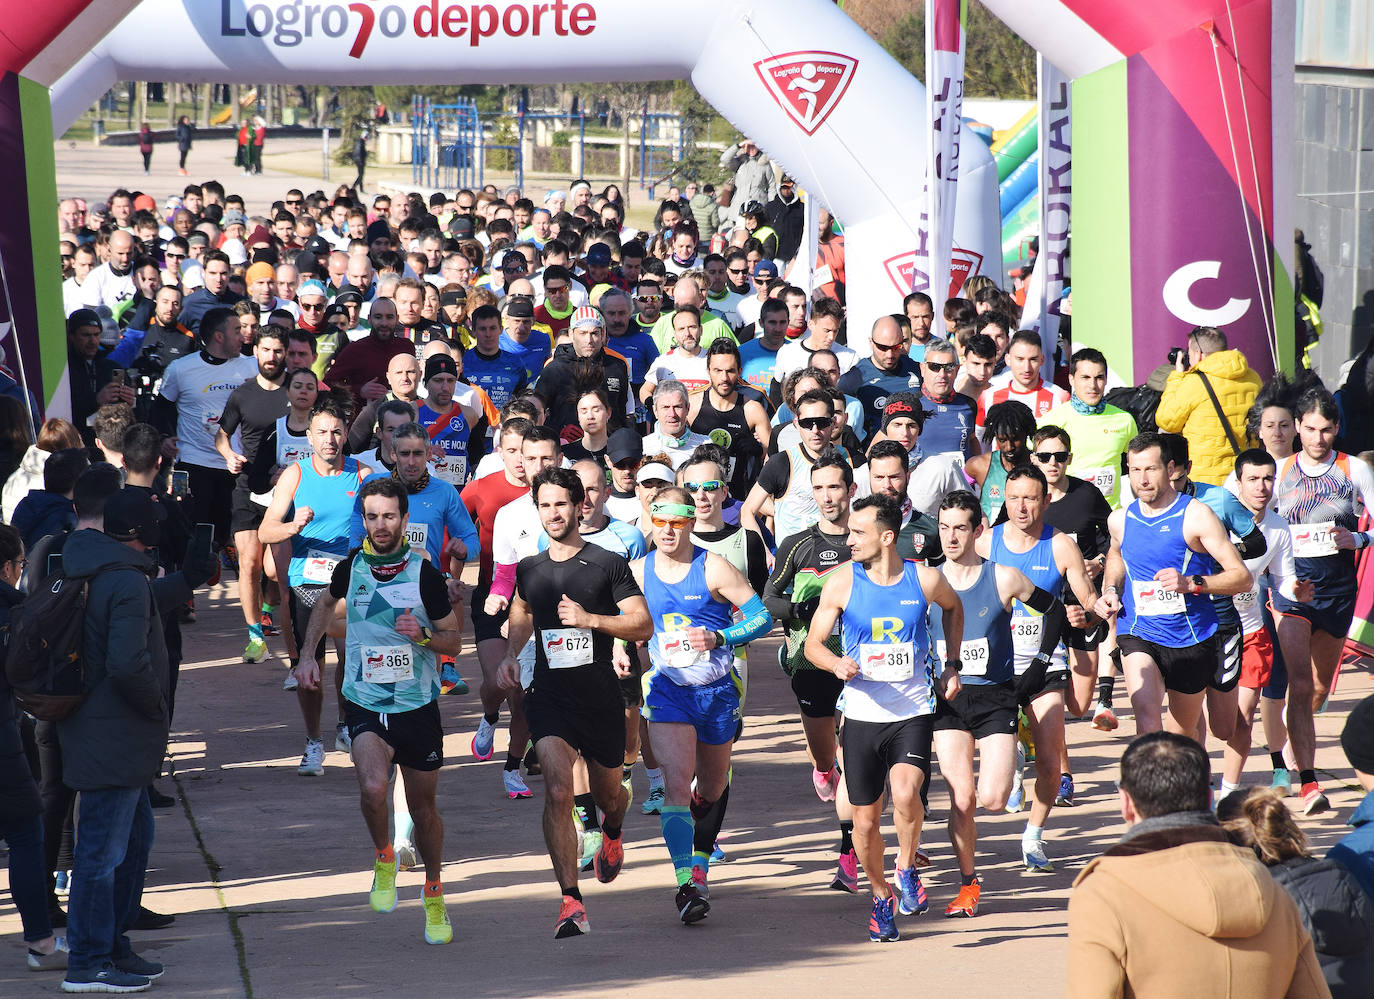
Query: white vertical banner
x=803, y=271
x=944, y=112
x=1045, y=294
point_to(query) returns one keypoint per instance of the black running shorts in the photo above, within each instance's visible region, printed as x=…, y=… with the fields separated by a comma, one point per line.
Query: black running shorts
x=416, y=737
x=1187, y=670
x=980, y=708
x=871, y=749
x=817, y=691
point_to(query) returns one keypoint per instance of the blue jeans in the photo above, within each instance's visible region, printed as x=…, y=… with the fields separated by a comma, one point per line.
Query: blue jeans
x=114, y=834
x=28, y=878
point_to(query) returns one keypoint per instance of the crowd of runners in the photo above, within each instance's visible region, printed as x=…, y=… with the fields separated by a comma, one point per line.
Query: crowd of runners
x=656, y=449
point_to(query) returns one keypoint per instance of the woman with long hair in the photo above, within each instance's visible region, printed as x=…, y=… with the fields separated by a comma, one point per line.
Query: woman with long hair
x=1333, y=906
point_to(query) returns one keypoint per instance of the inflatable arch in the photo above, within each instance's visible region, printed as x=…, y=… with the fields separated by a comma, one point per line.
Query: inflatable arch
x=800, y=78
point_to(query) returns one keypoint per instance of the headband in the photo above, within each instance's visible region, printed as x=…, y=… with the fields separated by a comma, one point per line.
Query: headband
x=672, y=510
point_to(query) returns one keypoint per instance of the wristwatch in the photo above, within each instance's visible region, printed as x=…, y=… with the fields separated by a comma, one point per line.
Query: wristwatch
x=425, y=636
x=720, y=639
x=955, y=665
x=1199, y=582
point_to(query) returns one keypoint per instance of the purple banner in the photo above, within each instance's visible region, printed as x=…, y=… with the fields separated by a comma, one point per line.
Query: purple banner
x=1192, y=261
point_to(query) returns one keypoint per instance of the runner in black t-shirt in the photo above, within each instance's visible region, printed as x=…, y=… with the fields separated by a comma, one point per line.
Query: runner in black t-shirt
x=252, y=410
x=577, y=598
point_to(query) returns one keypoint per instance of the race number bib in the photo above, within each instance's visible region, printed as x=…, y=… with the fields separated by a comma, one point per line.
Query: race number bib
x=452, y=468
x=1103, y=478
x=675, y=650
x=1313, y=540
x=319, y=567
x=1026, y=633
x=1153, y=600
x=387, y=663
x=210, y=421
x=417, y=535
x=973, y=656
x=887, y=663
x=566, y=648
x=1247, y=600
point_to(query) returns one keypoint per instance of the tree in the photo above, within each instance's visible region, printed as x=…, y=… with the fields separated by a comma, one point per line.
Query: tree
x=997, y=61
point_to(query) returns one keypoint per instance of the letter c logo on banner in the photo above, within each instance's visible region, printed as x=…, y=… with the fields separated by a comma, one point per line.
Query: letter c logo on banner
x=1178, y=297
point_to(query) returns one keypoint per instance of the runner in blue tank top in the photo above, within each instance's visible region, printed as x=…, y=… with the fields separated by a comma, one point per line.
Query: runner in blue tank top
x=1049, y=559
x=880, y=603
x=984, y=712
x=1155, y=580
x=320, y=489
x=690, y=697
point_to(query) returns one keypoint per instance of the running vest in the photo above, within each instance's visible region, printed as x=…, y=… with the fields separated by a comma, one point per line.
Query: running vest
x=385, y=671
x=291, y=448
x=1149, y=544
x=1038, y=565
x=450, y=431
x=986, y=650
x=677, y=607
x=324, y=541
x=796, y=509
x=1312, y=505
x=994, y=487
x=883, y=629
x=730, y=429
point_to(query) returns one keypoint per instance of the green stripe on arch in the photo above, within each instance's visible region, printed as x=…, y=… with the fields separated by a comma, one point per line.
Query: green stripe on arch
x=40, y=164
x=1101, y=218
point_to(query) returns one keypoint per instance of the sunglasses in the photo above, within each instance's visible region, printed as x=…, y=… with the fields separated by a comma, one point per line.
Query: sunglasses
x=294, y=201
x=886, y=346
x=555, y=289
x=313, y=308
x=947, y=366
x=816, y=422
x=175, y=256
x=739, y=270
x=1045, y=457
x=648, y=298
x=676, y=523
x=710, y=486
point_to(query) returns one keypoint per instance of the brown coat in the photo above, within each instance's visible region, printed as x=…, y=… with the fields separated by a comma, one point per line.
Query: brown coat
x=1180, y=913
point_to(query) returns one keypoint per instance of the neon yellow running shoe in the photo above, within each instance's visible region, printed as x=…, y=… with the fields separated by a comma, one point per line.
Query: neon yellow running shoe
x=438, y=930
x=382, y=898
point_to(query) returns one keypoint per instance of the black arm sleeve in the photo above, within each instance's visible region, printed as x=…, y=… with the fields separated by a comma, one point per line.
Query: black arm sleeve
x=163, y=415
x=1253, y=545
x=1052, y=627
x=776, y=596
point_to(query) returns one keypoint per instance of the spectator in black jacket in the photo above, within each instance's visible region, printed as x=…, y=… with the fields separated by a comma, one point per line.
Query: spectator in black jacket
x=1333, y=906
x=581, y=364
x=787, y=214
x=21, y=808
x=89, y=375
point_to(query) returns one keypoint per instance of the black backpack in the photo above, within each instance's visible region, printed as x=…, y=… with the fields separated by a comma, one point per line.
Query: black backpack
x=43, y=662
x=1140, y=401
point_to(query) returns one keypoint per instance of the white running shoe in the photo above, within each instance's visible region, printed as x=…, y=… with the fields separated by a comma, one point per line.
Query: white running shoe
x=312, y=760
x=515, y=785
x=290, y=682
x=343, y=742
x=406, y=857
x=484, y=742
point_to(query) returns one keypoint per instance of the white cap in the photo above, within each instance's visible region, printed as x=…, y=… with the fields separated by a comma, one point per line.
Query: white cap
x=654, y=470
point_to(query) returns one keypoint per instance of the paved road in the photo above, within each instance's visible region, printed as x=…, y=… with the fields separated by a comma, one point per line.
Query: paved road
x=268, y=872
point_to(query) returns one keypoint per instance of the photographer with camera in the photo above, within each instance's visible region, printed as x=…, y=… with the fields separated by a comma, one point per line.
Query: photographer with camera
x=1206, y=399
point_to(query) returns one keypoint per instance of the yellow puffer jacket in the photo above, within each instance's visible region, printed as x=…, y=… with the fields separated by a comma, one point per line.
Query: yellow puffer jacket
x=1186, y=409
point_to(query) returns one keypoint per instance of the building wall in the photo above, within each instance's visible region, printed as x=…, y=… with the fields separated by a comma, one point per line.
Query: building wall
x=1333, y=177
